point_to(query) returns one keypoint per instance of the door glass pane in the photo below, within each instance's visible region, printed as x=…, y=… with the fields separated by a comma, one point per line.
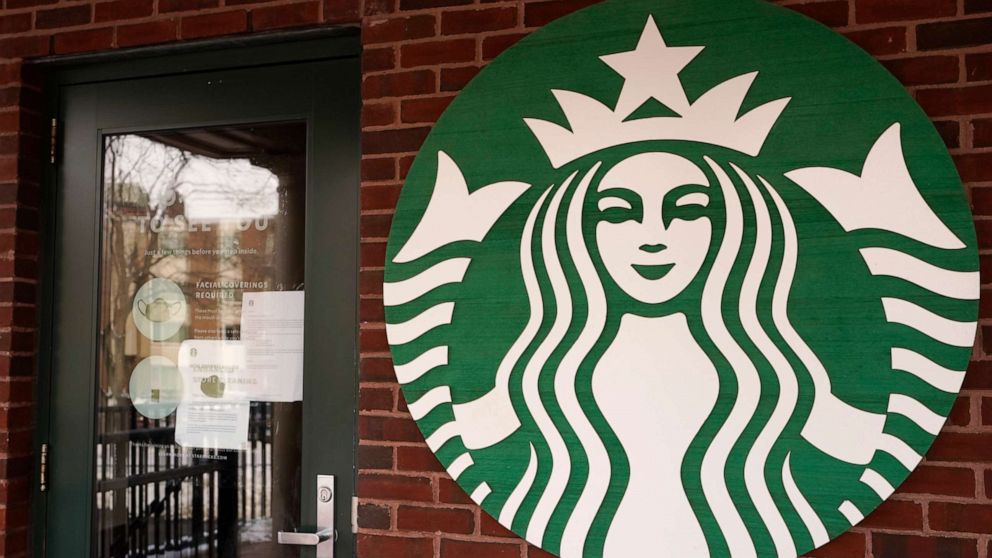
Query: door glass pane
x=198, y=416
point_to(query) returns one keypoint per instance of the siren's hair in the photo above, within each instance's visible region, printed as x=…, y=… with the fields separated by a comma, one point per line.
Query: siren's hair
x=564, y=350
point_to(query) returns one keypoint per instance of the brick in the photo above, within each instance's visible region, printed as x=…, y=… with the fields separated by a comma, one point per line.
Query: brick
x=375, y=399
x=975, y=167
x=62, y=17
x=427, y=4
x=848, y=545
x=953, y=34
x=987, y=411
x=974, y=99
x=878, y=11
x=885, y=545
x=398, y=29
x=940, y=481
x=405, y=163
x=961, y=518
x=378, y=59
x=455, y=79
x=17, y=390
x=375, y=457
x=540, y=14
x=534, y=552
x=462, y=549
x=423, y=110
x=978, y=67
x=373, y=517
x=15, y=4
x=880, y=42
x=435, y=520
x=977, y=6
x=416, y=82
x=380, y=197
x=83, y=41
x=24, y=47
x=950, y=132
x=478, y=21
x=962, y=447
x=374, y=340
x=212, y=25
x=961, y=412
x=378, y=114
x=404, y=140
x=831, y=14
x=373, y=254
x=417, y=459
x=497, y=44
x=371, y=310
x=896, y=514
x=394, y=488
x=489, y=527
x=186, y=5
x=375, y=8
x=123, y=9
x=376, y=369
x=449, y=492
x=377, y=546
x=378, y=169
x=15, y=23
x=431, y=53
x=342, y=11
x=370, y=282
x=285, y=15
x=152, y=32
x=388, y=429
x=988, y=482
x=924, y=70
x=376, y=226
x=980, y=372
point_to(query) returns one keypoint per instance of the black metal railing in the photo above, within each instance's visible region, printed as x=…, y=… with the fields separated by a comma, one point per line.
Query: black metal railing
x=154, y=498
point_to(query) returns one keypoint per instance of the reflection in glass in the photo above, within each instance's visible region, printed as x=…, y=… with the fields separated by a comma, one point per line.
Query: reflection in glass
x=194, y=222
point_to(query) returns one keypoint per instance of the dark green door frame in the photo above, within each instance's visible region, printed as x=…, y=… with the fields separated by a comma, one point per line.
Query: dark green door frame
x=314, y=76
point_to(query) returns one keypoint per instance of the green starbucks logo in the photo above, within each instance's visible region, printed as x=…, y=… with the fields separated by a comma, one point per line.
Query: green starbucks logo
x=693, y=276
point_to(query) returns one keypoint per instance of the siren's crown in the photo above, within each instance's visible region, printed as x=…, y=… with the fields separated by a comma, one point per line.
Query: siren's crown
x=652, y=71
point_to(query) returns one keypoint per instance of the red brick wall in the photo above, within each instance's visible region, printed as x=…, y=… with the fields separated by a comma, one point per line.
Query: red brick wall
x=418, y=55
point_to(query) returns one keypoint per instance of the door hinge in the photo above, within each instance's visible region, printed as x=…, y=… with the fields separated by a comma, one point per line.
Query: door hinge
x=53, y=141
x=354, y=514
x=43, y=469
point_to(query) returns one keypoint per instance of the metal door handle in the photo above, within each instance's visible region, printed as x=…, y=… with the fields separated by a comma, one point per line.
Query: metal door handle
x=325, y=536
x=305, y=539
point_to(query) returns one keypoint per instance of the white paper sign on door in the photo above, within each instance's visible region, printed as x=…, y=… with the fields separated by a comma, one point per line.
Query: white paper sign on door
x=272, y=334
x=213, y=425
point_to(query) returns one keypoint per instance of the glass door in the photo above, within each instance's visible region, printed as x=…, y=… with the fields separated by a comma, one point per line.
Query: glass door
x=200, y=359
x=203, y=312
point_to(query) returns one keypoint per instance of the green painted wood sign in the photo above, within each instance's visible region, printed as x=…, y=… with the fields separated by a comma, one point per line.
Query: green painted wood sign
x=682, y=278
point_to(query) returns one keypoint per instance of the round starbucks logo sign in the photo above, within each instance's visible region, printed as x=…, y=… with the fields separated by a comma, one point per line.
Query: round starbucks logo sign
x=694, y=276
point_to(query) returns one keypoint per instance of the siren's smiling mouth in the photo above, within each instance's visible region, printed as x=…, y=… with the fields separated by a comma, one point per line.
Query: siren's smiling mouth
x=653, y=272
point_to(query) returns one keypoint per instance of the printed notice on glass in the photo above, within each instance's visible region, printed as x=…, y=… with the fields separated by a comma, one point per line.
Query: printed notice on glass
x=215, y=371
x=272, y=335
x=222, y=426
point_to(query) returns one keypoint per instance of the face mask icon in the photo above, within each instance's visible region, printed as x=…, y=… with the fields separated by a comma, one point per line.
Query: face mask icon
x=159, y=310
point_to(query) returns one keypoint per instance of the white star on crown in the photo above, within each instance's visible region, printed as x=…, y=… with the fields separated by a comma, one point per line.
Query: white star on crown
x=652, y=71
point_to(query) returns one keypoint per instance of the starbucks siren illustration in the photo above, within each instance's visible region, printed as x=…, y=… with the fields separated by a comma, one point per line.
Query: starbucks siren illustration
x=625, y=319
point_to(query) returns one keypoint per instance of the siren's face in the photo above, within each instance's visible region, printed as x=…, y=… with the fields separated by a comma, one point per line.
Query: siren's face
x=653, y=234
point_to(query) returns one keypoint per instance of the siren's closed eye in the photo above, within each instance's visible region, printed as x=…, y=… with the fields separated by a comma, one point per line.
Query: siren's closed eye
x=696, y=198
x=614, y=203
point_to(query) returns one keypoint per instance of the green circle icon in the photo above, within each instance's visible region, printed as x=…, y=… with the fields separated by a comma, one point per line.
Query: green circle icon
x=156, y=387
x=159, y=309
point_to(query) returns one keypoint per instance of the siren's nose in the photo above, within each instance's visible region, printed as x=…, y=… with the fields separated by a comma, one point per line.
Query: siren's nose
x=653, y=248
